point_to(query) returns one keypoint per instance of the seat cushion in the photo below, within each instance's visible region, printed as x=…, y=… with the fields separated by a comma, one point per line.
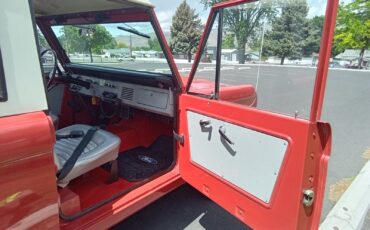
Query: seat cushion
x=102, y=148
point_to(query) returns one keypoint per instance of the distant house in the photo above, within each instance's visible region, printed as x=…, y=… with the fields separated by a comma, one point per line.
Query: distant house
x=226, y=54
x=209, y=55
x=252, y=56
x=302, y=61
x=229, y=54
x=121, y=52
x=353, y=55
x=147, y=54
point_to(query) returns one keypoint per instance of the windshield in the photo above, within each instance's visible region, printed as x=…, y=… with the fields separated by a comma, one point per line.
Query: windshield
x=130, y=46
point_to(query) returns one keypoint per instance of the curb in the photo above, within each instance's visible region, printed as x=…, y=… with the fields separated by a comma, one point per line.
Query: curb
x=351, y=209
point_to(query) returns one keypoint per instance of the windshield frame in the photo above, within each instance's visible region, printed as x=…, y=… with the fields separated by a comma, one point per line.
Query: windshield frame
x=127, y=15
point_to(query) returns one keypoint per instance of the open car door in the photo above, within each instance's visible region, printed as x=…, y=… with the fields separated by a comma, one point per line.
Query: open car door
x=266, y=164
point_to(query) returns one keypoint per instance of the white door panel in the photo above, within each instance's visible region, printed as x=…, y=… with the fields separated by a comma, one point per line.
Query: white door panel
x=252, y=162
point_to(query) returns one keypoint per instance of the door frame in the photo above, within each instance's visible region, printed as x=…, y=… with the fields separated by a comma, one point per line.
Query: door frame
x=323, y=61
x=315, y=136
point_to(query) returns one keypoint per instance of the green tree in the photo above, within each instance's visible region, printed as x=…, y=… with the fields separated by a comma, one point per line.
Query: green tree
x=336, y=49
x=154, y=44
x=121, y=45
x=242, y=21
x=141, y=48
x=101, y=39
x=286, y=39
x=185, y=30
x=353, y=27
x=72, y=41
x=313, y=35
x=94, y=40
x=42, y=41
x=228, y=41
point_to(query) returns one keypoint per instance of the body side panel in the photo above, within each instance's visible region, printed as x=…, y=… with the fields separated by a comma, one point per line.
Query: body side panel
x=28, y=194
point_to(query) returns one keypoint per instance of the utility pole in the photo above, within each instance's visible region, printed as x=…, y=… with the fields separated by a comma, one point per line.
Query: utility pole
x=130, y=46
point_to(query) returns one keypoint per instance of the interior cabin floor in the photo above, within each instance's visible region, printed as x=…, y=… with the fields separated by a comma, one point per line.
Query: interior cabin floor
x=142, y=162
x=138, y=136
x=88, y=189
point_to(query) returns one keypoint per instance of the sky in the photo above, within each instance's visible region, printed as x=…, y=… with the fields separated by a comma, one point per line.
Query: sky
x=166, y=9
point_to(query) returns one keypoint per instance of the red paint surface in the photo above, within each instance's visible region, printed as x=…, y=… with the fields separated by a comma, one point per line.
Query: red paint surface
x=89, y=189
x=68, y=116
x=141, y=130
x=85, y=191
x=28, y=195
x=128, y=204
x=324, y=59
x=305, y=163
x=285, y=210
x=240, y=94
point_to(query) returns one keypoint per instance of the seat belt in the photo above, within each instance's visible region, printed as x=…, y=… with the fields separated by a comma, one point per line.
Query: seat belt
x=72, y=134
x=70, y=163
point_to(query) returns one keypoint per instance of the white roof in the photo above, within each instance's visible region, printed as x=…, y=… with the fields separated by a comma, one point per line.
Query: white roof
x=352, y=54
x=56, y=7
x=228, y=50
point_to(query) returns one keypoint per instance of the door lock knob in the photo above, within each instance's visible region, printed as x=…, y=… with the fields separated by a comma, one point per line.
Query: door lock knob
x=204, y=123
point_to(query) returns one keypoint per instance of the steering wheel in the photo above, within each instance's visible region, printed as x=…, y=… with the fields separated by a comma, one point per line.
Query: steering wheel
x=52, y=73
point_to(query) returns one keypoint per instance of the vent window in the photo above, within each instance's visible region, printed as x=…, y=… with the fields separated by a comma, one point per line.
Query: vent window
x=3, y=92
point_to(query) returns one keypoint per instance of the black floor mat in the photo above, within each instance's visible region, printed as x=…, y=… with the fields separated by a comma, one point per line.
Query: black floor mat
x=140, y=163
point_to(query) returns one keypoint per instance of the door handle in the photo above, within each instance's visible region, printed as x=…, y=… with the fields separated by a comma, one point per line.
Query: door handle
x=204, y=123
x=222, y=131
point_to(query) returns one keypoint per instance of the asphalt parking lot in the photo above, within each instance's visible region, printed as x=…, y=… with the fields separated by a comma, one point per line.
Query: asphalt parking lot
x=285, y=90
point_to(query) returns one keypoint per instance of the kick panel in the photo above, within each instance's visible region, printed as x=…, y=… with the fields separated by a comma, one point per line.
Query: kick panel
x=246, y=158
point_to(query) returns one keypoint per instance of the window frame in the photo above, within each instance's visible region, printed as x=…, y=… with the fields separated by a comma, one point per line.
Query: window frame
x=320, y=77
x=46, y=23
x=207, y=32
x=218, y=53
x=3, y=89
x=216, y=95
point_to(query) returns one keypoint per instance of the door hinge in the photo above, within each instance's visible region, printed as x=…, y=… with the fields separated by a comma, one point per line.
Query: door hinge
x=178, y=137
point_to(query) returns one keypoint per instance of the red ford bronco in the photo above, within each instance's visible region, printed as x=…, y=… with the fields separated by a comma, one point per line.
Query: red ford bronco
x=105, y=131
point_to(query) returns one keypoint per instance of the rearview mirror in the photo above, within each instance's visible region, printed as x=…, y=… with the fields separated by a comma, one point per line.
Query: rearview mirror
x=83, y=32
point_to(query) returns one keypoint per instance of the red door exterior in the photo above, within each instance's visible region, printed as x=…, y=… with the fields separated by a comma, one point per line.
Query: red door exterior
x=28, y=195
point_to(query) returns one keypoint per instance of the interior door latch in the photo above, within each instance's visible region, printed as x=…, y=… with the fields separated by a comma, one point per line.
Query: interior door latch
x=179, y=137
x=308, y=197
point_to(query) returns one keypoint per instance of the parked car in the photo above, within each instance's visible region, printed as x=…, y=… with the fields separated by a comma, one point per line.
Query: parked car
x=335, y=64
x=97, y=142
x=355, y=66
x=125, y=58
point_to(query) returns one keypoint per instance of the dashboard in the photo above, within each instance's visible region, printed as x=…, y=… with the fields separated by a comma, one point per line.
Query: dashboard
x=148, y=98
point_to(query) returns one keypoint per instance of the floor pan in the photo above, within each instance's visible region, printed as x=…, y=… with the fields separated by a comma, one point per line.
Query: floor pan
x=141, y=163
x=89, y=189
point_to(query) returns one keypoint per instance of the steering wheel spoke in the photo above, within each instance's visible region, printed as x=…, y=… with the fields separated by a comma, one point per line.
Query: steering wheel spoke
x=52, y=74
